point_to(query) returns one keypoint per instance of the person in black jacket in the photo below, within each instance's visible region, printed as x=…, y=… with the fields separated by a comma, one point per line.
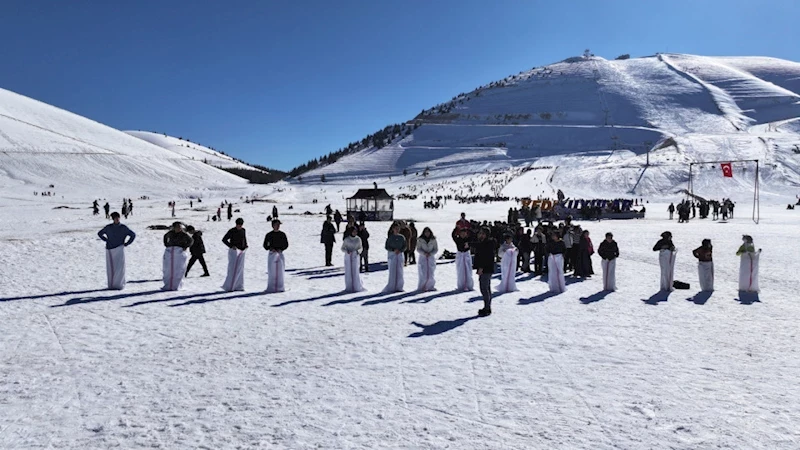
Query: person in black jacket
x=364, y=235
x=197, y=249
x=525, y=246
x=609, y=252
x=328, y=237
x=276, y=240
x=583, y=262
x=337, y=217
x=484, y=264
x=236, y=237
x=176, y=237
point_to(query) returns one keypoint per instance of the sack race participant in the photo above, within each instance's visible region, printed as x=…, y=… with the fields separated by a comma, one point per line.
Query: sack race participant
x=176, y=256
x=666, y=259
x=748, y=267
x=395, y=246
x=609, y=252
x=115, y=235
x=275, y=242
x=464, y=281
x=236, y=241
x=427, y=247
x=352, y=246
x=508, y=265
x=705, y=265
x=555, y=264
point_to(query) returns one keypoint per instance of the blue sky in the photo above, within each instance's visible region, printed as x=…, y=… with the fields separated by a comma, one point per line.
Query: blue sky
x=280, y=82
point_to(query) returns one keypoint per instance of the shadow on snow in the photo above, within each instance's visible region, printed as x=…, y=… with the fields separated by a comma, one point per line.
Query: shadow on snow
x=700, y=298
x=439, y=327
x=658, y=297
x=748, y=298
x=596, y=297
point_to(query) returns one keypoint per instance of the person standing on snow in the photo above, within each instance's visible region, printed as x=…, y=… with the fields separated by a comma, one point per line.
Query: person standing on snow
x=666, y=259
x=427, y=247
x=328, y=237
x=484, y=265
x=337, y=217
x=275, y=243
x=275, y=211
x=464, y=281
x=230, y=211
x=352, y=248
x=508, y=264
x=236, y=241
x=748, y=267
x=197, y=250
x=609, y=252
x=583, y=260
x=364, y=235
x=555, y=264
x=176, y=242
x=705, y=265
x=115, y=235
x=395, y=246
x=107, y=208
x=671, y=210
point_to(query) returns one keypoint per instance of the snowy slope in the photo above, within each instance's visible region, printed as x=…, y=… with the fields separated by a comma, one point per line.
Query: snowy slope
x=191, y=150
x=679, y=108
x=41, y=145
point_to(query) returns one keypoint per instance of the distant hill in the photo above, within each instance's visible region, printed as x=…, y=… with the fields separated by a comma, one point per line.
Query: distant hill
x=599, y=122
x=41, y=145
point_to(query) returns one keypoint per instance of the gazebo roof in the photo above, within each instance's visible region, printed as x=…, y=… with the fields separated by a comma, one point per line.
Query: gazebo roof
x=371, y=194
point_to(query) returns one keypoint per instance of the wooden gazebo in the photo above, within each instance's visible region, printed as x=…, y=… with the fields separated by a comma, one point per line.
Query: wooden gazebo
x=371, y=204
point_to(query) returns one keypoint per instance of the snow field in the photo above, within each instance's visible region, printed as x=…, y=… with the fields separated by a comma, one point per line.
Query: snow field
x=313, y=367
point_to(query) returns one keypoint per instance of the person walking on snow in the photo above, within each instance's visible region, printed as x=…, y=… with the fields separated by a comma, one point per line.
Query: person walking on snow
x=352, y=248
x=197, y=250
x=609, y=252
x=666, y=259
x=328, y=237
x=116, y=236
x=395, y=246
x=176, y=242
x=236, y=241
x=484, y=265
x=337, y=217
x=364, y=235
x=705, y=265
x=107, y=208
x=748, y=266
x=427, y=247
x=275, y=243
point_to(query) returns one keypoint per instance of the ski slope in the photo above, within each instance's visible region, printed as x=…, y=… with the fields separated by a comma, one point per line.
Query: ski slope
x=191, y=150
x=676, y=108
x=41, y=145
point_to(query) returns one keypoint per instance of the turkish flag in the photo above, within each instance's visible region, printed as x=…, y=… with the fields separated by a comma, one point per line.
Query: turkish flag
x=727, y=170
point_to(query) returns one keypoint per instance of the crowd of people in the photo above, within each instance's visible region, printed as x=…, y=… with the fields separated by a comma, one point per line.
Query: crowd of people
x=551, y=249
x=689, y=209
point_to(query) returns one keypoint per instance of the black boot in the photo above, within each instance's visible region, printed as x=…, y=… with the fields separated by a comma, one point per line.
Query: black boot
x=484, y=312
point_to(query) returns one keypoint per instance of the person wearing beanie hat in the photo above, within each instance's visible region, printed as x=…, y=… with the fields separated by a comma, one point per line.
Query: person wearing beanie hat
x=116, y=236
x=705, y=265
x=175, y=257
x=666, y=259
x=748, y=265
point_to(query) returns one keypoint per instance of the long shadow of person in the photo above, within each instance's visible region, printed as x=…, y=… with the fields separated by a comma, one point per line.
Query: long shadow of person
x=199, y=301
x=84, y=300
x=312, y=299
x=748, y=298
x=658, y=297
x=439, y=327
x=431, y=297
x=596, y=297
x=537, y=299
x=700, y=298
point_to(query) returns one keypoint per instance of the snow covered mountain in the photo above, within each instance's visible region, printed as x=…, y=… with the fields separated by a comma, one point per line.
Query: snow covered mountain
x=599, y=123
x=41, y=145
x=191, y=150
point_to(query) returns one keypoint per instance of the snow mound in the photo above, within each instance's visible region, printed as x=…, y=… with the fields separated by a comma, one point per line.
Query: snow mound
x=41, y=145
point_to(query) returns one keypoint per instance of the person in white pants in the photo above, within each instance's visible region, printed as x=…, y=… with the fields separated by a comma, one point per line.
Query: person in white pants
x=748, y=265
x=395, y=246
x=352, y=247
x=116, y=236
x=508, y=265
x=275, y=243
x=609, y=252
x=427, y=247
x=705, y=265
x=464, y=281
x=666, y=259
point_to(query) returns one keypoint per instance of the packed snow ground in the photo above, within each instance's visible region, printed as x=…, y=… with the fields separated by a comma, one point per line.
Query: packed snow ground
x=82, y=367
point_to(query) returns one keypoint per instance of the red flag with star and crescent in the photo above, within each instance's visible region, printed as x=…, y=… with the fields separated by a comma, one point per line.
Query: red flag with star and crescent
x=727, y=170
